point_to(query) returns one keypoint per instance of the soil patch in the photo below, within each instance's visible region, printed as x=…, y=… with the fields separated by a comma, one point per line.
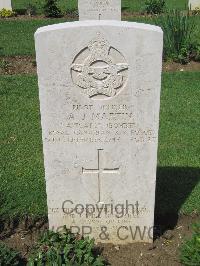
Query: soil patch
x=27, y=65
x=164, y=250
x=73, y=15
x=172, y=66
x=17, y=65
x=24, y=17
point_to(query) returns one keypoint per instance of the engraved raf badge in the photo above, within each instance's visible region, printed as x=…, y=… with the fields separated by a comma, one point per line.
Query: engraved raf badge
x=99, y=69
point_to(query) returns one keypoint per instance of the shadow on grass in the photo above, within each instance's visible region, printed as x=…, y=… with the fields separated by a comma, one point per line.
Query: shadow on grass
x=124, y=8
x=174, y=185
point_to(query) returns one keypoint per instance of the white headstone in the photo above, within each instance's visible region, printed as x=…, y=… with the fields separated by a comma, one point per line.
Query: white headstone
x=99, y=9
x=99, y=84
x=194, y=4
x=5, y=4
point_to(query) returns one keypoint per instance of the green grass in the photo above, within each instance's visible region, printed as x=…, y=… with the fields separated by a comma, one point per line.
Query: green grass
x=17, y=36
x=22, y=187
x=63, y=4
x=138, y=5
x=130, y=5
x=179, y=144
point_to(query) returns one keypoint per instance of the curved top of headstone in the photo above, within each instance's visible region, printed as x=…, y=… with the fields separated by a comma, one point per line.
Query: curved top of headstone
x=93, y=23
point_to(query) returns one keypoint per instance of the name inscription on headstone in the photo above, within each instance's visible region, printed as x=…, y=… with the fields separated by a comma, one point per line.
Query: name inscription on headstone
x=85, y=125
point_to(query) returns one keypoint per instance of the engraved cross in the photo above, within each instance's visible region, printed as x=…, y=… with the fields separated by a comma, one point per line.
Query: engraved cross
x=100, y=171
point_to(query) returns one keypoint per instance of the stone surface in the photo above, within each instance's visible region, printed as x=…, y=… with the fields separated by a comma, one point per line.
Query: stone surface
x=99, y=86
x=99, y=9
x=5, y=4
x=193, y=4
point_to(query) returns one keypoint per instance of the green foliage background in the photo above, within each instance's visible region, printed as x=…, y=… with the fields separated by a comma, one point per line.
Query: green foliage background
x=131, y=5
